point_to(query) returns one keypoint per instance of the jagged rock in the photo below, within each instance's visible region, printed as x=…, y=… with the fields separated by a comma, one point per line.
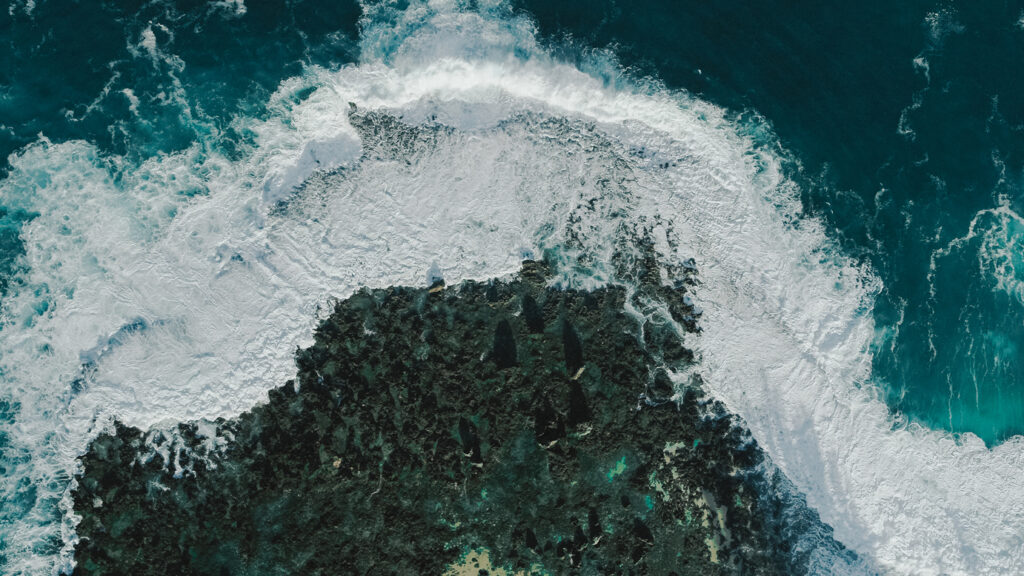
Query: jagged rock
x=489, y=425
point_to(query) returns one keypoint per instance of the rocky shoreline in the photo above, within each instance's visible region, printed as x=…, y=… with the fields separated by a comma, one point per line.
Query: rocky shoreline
x=501, y=427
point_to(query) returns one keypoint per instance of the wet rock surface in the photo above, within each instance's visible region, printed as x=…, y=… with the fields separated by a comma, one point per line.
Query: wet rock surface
x=503, y=427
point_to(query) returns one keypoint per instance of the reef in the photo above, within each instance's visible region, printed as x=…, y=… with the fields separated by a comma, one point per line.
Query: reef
x=498, y=427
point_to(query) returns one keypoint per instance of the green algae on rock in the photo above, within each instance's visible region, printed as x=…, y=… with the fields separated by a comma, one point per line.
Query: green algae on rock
x=502, y=427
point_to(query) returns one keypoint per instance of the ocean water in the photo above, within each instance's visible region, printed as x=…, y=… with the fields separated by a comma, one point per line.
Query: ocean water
x=907, y=120
x=847, y=177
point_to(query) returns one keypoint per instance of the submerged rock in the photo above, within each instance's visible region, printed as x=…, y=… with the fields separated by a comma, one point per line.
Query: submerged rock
x=501, y=427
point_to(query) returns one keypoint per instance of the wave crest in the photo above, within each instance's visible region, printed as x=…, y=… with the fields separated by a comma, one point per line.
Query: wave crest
x=179, y=288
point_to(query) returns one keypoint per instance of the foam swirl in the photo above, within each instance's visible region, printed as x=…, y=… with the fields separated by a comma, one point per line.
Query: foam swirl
x=179, y=288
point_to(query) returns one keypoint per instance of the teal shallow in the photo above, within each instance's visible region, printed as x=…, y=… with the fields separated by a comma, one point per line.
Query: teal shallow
x=908, y=121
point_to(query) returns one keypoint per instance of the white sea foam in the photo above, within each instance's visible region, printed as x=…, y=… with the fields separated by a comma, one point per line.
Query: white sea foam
x=184, y=285
x=996, y=237
x=942, y=23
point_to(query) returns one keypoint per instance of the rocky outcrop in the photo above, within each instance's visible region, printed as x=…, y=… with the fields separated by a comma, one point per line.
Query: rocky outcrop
x=503, y=427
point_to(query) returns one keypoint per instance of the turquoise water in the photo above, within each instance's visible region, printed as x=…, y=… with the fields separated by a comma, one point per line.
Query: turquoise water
x=902, y=127
x=65, y=84
x=82, y=71
x=908, y=120
x=105, y=88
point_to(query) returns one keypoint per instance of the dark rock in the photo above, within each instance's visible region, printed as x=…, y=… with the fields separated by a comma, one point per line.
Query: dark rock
x=532, y=314
x=504, y=350
x=403, y=447
x=573, y=348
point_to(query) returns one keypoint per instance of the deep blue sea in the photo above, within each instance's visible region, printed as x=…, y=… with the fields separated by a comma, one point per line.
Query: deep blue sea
x=849, y=178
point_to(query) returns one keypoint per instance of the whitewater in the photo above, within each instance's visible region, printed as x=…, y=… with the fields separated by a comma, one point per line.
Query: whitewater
x=180, y=287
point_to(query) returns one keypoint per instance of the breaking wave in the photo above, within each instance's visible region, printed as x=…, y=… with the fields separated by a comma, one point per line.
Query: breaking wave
x=179, y=288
